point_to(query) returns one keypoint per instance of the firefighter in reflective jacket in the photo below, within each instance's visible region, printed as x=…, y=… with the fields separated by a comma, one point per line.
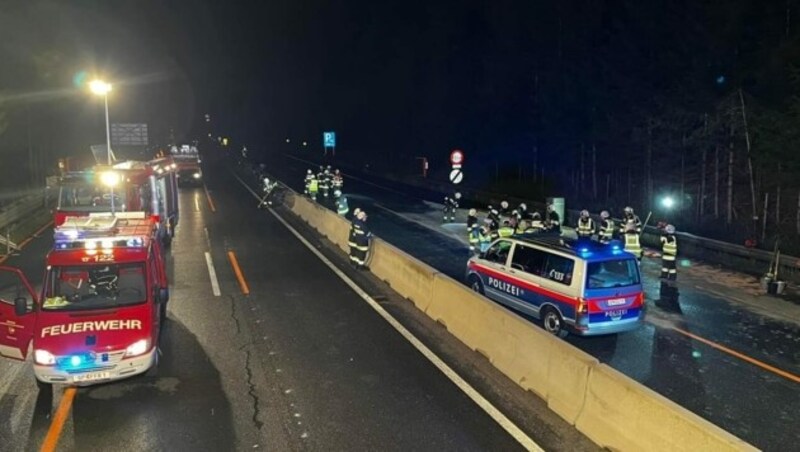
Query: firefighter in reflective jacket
x=585, y=227
x=472, y=228
x=313, y=187
x=630, y=218
x=632, y=244
x=342, y=206
x=484, y=238
x=361, y=235
x=351, y=238
x=450, y=206
x=309, y=176
x=669, y=253
x=606, y=227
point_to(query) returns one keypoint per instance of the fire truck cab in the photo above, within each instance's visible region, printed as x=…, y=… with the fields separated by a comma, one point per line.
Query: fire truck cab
x=129, y=186
x=101, y=307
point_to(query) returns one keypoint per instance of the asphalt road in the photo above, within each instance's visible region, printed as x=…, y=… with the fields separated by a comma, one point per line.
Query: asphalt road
x=756, y=404
x=300, y=362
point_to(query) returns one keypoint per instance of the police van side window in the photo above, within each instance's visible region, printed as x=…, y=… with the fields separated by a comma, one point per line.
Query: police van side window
x=498, y=253
x=529, y=259
x=559, y=269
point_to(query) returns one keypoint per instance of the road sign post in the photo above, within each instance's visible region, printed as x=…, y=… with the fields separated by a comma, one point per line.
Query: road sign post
x=456, y=160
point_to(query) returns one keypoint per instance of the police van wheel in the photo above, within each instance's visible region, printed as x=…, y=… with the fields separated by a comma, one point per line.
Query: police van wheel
x=476, y=285
x=552, y=322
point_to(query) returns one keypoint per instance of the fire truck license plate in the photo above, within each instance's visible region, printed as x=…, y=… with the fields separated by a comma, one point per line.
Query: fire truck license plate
x=92, y=376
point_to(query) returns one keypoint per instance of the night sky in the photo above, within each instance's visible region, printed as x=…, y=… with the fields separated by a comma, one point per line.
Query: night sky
x=399, y=79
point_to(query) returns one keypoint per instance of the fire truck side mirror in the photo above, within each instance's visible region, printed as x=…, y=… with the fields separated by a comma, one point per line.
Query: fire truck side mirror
x=163, y=296
x=20, y=306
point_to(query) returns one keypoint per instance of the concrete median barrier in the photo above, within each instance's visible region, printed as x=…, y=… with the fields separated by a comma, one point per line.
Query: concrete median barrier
x=336, y=228
x=532, y=358
x=620, y=414
x=406, y=275
x=568, y=370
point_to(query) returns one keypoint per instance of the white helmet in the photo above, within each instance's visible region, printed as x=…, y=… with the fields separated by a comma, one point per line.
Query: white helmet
x=584, y=213
x=473, y=212
x=504, y=204
x=458, y=195
x=629, y=209
x=356, y=211
x=309, y=172
x=550, y=208
x=670, y=229
x=604, y=214
x=523, y=207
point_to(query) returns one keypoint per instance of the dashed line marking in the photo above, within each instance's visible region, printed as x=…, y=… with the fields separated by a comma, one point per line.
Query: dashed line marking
x=212, y=274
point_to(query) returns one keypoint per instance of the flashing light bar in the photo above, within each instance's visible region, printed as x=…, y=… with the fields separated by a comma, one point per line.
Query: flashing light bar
x=107, y=243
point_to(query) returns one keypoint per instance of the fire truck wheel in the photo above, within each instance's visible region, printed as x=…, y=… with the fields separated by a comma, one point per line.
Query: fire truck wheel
x=152, y=372
x=163, y=313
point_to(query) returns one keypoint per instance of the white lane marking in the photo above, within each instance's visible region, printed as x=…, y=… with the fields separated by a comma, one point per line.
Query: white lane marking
x=212, y=273
x=208, y=239
x=465, y=387
x=196, y=203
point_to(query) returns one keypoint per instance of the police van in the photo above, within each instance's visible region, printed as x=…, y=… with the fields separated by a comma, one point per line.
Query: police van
x=579, y=286
x=101, y=306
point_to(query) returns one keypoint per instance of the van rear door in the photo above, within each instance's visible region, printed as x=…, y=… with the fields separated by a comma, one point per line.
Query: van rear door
x=613, y=290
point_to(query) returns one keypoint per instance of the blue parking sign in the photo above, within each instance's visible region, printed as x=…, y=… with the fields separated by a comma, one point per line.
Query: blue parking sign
x=329, y=138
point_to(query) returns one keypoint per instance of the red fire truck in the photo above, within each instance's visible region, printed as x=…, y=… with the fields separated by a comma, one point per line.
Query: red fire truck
x=188, y=160
x=129, y=186
x=102, y=304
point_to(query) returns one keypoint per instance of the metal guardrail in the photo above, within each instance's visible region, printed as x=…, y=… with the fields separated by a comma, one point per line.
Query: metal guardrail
x=12, y=214
x=728, y=255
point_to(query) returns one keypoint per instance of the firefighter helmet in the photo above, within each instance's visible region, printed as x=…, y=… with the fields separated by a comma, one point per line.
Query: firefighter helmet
x=473, y=212
x=458, y=195
x=629, y=210
x=604, y=214
x=584, y=213
x=670, y=229
x=550, y=208
x=504, y=204
x=309, y=171
x=523, y=207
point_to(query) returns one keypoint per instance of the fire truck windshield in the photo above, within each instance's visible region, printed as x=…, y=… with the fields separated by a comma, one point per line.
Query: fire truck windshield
x=89, y=287
x=88, y=198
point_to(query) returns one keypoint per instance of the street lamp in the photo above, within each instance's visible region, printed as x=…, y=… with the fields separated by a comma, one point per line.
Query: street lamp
x=102, y=88
x=668, y=202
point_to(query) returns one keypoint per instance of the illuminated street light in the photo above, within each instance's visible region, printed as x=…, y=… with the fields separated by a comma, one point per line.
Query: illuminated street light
x=668, y=202
x=102, y=88
x=287, y=140
x=305, y=143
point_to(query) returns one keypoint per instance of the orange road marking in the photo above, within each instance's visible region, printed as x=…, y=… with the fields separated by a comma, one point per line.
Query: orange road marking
x=238, y=271
x=210, y=201
x=38, y=231
x=743, y=357
x=57, y=425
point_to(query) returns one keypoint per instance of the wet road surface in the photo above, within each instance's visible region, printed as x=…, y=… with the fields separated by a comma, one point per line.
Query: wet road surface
x=299, y=362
